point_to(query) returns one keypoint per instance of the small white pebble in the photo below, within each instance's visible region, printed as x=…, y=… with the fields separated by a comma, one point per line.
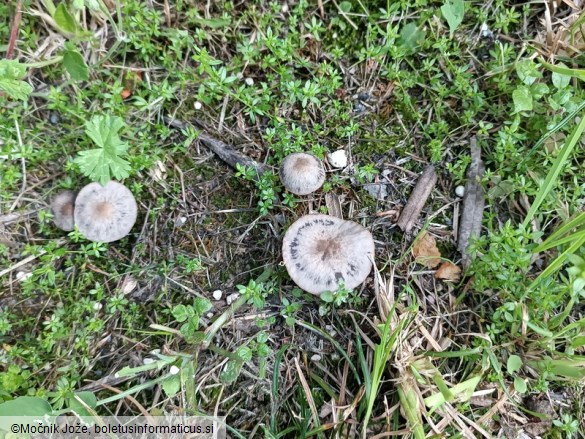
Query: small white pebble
x=174, y=370
x=148, y=360
x=21, y=276
x=460, y=191
x=338, y=159
x=249, y=81
x=209, y=315
x=155, y=351
x=97, y=306
x=316, y=357
x=284, y=8
x=180, y=221
x=198, y=105
x=217, y=294
x=231, y=298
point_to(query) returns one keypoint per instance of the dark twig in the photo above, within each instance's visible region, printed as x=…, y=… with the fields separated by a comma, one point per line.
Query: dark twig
x=418, y=198
x=224, y=151
x=14, y=30
x=473, y=204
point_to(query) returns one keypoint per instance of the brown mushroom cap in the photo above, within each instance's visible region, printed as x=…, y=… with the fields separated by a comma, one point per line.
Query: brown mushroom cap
x=105, y=213
x=302, y=173
x=320, y=251
x=62, y=207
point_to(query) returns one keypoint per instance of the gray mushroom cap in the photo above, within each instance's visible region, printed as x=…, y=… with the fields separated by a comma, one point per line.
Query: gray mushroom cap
x=302, y=173
x=320, y=251
x=105, y=213
x=62, y=207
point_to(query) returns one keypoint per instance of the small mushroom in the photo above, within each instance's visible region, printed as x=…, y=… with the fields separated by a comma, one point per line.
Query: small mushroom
x=302, y=173
x=62, y=207
x=320, y=251
x=105, y=213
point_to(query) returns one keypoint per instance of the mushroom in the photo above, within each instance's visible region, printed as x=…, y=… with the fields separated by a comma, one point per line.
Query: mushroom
x=302, y=173
x=62, y=207
x=105, y=213
x=320, y=251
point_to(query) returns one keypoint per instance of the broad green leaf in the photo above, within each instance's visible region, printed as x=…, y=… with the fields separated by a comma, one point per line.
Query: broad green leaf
x=11, y=74
x=559, y=80
x=172, y=385
x=345, y=6
x=23, y=406
x=231, y=371
x=75, y=65
x=520, y=385
x=107, y=161
x=453, y=11
x=410, y=37
x=522, y=99
x=514, y=363
x=88, y=398
x=538, y=90
x=577, y=73
x=245, y=353
x=180, y=313
x=64, y=19
x=202, y=305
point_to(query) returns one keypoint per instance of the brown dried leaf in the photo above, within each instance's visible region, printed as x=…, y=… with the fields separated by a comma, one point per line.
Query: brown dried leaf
x=425, y=250
x=448, y=271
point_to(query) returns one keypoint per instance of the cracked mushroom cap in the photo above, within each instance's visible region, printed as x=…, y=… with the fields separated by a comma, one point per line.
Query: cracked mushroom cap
x=320, y=251
x=105, y=213
x=62, y=207
x=302, y=173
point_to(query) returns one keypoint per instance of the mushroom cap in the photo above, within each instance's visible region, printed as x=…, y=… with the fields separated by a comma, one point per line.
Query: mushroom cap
x=105, y=213
x=302, y=173
x=62, y=207
x=319, y=251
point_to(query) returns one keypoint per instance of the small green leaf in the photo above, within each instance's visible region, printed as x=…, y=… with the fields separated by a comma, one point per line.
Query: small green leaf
x=180, y=313
x=453, y=11
x=514, y=363
x=345, y=6
x=327, y=296
x=64, y=19
x=231, y=371
x=201, y=305
x=520, y=385
x=75, y=65
x=213, y=23
x=172, y=385
x=538, y=90
x=88, y=398
x=527, y=71
x=522, y=99
x=245, y=353
x=11, y=74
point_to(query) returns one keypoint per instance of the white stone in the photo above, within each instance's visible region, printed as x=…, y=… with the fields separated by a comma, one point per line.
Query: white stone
x=198, y=105
x=21, y=276
x=97, y=306
x=148, y=360
x=174, y=370
x=316, y=357
x=209, y=315
x=249, y=81
x=217, y=294
x=284, y=8
x=338, y=159
x=231, y=298
x=460, y=191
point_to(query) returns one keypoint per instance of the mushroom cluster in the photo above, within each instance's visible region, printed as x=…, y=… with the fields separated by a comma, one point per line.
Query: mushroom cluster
x=101, y=213
x=321, y=251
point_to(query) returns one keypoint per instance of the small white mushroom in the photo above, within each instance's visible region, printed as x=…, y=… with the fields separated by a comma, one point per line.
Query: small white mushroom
x=460, y=191
x=337, y=159
x=217, y=294
x=105, y=213
x=320, y=251
x=62, y=207
x=302, y=173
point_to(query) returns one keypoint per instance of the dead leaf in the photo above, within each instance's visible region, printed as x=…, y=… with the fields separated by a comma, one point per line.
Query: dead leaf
x=126, y=93
x=448, y=271
x=418, y=198
x=425, y=250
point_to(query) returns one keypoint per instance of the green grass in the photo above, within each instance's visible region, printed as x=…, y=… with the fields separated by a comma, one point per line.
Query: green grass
x=397, y=85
